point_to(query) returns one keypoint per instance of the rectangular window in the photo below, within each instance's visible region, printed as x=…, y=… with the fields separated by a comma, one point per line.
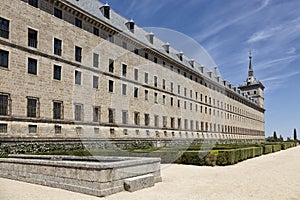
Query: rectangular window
x=191, y=94
x=3, y=128
x=4, y=99
x=33, y=3
x=57, y=129
x=124, y=44
x=155, y=97
x=156, y=121
x=146, y=95
x=185, y=124
x=136, y=92
x=96, y=114
x=57, y=110
x=172, y=101
x=78, y=23
x=146, y=78
x=147, y=119
x=32, y=38
x=78, y=52
x=136, y=118
x=32, y=128
x=96, y=131
x=164, y=99
x=4, y=58
x=146, y=55
x=57, y=46
x=57, y=72
x=32, y=107
x=185, y=105
x=136, y=74
x=96, y=60
x=95, y=82
x=136, y=51
x=155, y=81
x=111, y=66
x=155, y=59
x=172, y=122
x=179, y=123
x=192, y=125
x=111, y=116
x=179, y=89
x=58, y=13
x=124, y=89
x=4, y=28
x=124, y=70
x=111, y=86
x=96, y=31
x=111, y=38
x=79, y=130
x=172, y=87
x=164, y=121
x=197, y=125
x=32, y=66
x=78, y=112
x=164, y=84
x=77, y=77
x=185, y=92
x=178, y=103
x=124, y=117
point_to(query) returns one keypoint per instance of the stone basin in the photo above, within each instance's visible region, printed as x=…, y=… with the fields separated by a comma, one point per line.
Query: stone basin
x=97, y=175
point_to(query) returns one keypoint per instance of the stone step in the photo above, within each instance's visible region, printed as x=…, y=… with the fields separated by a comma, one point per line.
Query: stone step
x=139, y=182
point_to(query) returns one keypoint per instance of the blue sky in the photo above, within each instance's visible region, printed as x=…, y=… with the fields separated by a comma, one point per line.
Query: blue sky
x=227, y=29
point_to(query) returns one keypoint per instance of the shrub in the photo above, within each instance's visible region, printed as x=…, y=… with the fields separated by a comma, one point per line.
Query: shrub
x=230, y=157
x=268, y=149
x=276, y=148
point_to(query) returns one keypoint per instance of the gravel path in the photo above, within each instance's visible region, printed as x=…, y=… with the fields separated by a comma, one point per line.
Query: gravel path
x=270, y=177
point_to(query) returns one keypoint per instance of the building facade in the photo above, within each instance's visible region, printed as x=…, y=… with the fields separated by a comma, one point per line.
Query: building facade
x=77, y=69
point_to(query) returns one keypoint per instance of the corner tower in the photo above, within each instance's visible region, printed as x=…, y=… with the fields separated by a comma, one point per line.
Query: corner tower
x=253, y=87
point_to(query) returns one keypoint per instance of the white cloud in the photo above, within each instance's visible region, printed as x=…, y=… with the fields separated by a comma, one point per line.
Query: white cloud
x=274, y=62
x=262, y=35
x=292, y=50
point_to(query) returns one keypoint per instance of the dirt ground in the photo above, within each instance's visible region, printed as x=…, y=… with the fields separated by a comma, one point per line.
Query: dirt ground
x=270, y=177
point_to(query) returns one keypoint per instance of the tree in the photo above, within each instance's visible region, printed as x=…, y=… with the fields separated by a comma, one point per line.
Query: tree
x=295, y=134
x=280, y=138
x=275, y=136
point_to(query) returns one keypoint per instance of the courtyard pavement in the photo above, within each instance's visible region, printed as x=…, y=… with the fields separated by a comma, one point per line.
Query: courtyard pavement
x=269, y=177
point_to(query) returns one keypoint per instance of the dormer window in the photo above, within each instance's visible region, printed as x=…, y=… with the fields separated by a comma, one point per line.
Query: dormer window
x=192, y=62
x=209, y=74
x=180, y=56
x=167, y=47
x=150, y=37
x=105, y=11
x=130, y=25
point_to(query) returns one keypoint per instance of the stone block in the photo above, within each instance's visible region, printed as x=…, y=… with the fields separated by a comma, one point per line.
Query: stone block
x=138, y=183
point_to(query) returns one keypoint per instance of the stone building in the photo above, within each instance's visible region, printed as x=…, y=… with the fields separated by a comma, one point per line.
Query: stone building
x=77, y=69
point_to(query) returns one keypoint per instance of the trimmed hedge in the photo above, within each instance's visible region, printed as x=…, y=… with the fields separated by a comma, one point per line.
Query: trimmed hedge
x=230, y=157
x=205, y=154
x=268, y=149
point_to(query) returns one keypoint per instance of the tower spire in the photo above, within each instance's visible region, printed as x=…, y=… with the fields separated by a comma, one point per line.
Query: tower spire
x=250, y=73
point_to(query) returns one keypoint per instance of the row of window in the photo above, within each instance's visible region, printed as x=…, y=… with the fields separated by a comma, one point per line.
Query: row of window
x=58, y=13
x=33, y=107
x=33, y=129
x=32, y=42
x=57, y=71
